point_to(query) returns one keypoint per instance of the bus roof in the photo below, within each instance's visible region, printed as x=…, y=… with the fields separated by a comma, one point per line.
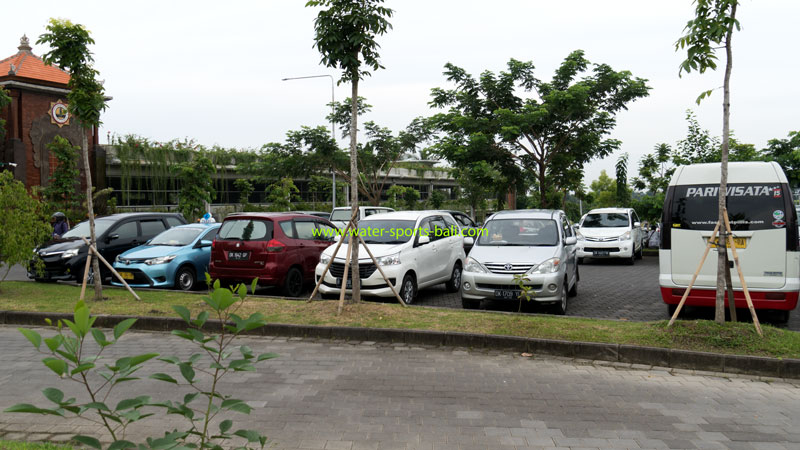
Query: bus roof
x=738, y=172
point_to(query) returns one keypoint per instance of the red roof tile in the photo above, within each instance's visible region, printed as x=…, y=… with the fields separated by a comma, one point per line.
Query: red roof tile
x=27, y=65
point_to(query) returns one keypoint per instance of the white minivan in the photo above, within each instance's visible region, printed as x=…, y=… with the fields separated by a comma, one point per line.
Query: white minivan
x=340, y=216
x=764, y=224
x=610, y=233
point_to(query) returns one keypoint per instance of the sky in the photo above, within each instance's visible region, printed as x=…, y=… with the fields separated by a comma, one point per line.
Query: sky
x=212, y=71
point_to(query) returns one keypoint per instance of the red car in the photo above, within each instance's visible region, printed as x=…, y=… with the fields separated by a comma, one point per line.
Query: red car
x=280, y=249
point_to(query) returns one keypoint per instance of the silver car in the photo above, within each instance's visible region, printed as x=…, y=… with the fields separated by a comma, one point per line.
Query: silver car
x=537, y=243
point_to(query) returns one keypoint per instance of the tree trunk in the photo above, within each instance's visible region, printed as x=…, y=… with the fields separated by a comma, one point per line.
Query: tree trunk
x=354, y=189
x=719, y=310
x=542, y=194
x=98, y=277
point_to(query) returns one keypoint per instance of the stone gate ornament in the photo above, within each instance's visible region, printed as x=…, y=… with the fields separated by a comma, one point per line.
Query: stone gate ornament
x=59, y=114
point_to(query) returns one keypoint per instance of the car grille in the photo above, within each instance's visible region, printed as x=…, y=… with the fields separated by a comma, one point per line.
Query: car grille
x=601, y=249
x=364, y=270
x=504, y=268
x=601, y=239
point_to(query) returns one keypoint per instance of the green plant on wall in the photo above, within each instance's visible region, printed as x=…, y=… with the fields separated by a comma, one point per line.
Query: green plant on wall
x=245, y=188
x=197, y=186
x=5, y=100
x=61, y=192
x=281, y=194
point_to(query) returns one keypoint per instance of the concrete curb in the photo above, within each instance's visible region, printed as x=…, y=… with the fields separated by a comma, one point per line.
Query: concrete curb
x=630, y=354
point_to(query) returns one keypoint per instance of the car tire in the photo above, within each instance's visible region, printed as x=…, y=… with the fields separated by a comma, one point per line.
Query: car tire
x=186, y=279
x=293, y=283
x=640, y=253
x=455, y=278
x=470, y=304
x=560, y=308
x=408, y=290
x=630, y=261
x=330, y=296
x=782, y=316
x=671, y=310
x=581, y=260
x=573, y=292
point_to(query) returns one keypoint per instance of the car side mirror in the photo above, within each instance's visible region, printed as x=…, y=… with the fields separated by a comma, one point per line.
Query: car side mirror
x=204, y=243
x=111, y=237
x=576, y=226
x=337, y=237
x=469, y=240
x=572, y=240
x=637, y=224
x=423, y=240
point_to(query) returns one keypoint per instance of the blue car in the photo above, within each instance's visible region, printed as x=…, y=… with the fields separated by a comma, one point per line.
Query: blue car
x=176, y=258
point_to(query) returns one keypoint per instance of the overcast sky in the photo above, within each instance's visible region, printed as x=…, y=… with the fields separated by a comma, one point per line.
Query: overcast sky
x=212, y=71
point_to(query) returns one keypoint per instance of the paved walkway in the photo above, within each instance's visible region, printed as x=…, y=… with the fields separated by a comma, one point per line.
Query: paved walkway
x=363, y=395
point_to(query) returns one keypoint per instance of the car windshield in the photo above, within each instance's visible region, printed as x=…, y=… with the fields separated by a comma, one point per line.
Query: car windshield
x=386, y=231
x=177, y=237
x=340, y=215
x=605, y=220
x=82, y=229
x=520, y=232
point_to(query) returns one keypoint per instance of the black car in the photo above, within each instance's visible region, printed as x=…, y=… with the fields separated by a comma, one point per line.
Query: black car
x=65, y=258
x=468, y=227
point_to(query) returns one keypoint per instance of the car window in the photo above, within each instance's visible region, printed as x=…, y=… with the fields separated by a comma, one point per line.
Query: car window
x=520, y=232
x=176, y=237
x=173, y=221
x=425, y=228
x=341, y=215
x=246, y=230
x=152, y=227
x=565, y=228
x=210, y=235
x=82, y=229
x=127, y=230
x=606, y=220
x=439, y=227
x=369, y=212
x=286, y=227
x=464, y=220
x=451, y=223
x=325, y=232
x=635, y=217
x=305, y=230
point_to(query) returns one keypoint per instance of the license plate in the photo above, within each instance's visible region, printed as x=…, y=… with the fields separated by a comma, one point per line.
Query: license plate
x=238, y=256
x=739, y=242
x=349, y=283
x=126, y=275
x=600, y=253
x=506, y=294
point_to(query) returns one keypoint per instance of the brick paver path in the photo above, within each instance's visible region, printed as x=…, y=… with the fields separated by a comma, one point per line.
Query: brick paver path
x=363, y=395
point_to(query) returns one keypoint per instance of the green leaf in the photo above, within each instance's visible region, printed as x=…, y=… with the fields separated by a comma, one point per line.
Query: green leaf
x=187, y=372
x=170, y=359
x=82, y=368
x=87, y=440
x=34, y=337
x=163, y=377
x=56, y=365
x=265, y=356
x=81, y=316
x=139, y=359
x=97, y=405
x=241, y=365
x=100, y=338
x=236, y=405
x=28, y=408
x=54, y=395
x=254, y=285
x=121, y=445
x=223, y=298
x=129, y=403
x=225, y=425
x=54, y=342
x=122, y=327
x=201, y=319
x=75, y=329
x=189, y=398
x=242, y=291
x=183, y=312
x=250, y=435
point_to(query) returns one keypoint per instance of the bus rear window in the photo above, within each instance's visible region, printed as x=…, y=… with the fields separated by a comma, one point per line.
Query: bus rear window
x=751, y=206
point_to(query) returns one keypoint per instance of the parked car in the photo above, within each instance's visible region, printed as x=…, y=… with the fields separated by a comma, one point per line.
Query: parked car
x=415, y=249
x=65, y=258
x=610, y=233
x=539, y=244
x=280, y=249
x=468, y=228
x=340, y=216
x=176, y=258
x=324, y=215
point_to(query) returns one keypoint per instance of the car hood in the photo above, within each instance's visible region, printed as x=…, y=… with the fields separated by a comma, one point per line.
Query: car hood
x=150, y=251
x=378, y=250
x=512, y=254
x=603, y=232
x=60, y=245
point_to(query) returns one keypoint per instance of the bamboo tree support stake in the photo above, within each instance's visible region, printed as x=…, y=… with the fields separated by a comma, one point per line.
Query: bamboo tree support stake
x=343, y=287
x=694, y=277
x=86, y=273
x=741, y=275
x=333, y=256
x=111, y=268
x=729, y=287
x=385, y=278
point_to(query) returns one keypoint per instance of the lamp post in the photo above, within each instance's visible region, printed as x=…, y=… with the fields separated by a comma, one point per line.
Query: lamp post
x=333, y=131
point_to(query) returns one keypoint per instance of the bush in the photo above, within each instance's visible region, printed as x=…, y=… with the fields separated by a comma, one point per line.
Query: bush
x=24, y=224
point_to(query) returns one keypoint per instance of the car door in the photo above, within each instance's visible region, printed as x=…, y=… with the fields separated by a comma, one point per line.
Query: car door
x=637, y=233
x=305, y=233
x=203, y=254
x=120, y=238
x=443, y=247
x=569, y=250
x=425, y=254
x=455, y=241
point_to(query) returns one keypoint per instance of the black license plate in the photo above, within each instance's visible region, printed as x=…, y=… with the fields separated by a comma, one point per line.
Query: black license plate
x=238, y=256
x=349, y=283
x=601, y=253
x=506, y=294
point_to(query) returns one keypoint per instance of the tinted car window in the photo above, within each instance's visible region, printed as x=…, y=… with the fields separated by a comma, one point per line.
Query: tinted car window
x=152, y=227
x=82, y=229
x=210, y=235
x=520, y=232
x=750, y=207
x=127, y=230
x=450, y=222
x=440, y=230
x=305, y=230
x=286, y=227
x=606, y=220
x=325, y=231
x=464, y=220
x=246, y=230
x=173, y=221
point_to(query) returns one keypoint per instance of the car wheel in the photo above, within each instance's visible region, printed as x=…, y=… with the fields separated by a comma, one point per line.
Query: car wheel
x=293, y=284
x=632, y=259
x=574, y=291
x=561, y=306
x=185, y=279
x=581, y=260
x=782, y=316
x=408, y=291
x=671, y=310
x=640, y=253
x=470, y=304
x=455, y=279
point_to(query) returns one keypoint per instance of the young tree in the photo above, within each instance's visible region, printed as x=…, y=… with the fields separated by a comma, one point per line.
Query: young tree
x=281, y=194
x=23, y=224
x=69, y=49
x=437, y=199
x=345, y=35
x=623, y=193
x=5, y=100
x=604, y=191
x=197, y=186
x=786, y=152
x=713, y=23
x=563, y=124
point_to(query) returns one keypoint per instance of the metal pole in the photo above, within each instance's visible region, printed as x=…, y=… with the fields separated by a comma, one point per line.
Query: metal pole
x=333, y=129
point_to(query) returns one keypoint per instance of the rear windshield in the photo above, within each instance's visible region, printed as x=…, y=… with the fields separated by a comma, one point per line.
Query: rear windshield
x=520, y=232
x=341, y=215
x=751, y=206
x=605, y=220
x=245, y=230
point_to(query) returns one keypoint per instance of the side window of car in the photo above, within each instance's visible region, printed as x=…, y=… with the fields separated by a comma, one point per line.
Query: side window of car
x=151, y=228
x=286, y=226
x=635, y=217
x=128, y=231
x=173, y=222
x=425, y=228
x=564, y=227
x=210, y=235
x=325, y=232
x=305, y=229
x=369, y=212
x=452, y=226
x=464, y=220
x=439, y=227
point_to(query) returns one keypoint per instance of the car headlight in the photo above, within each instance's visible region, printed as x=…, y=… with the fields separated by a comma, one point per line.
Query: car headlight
x=474, y=266
x=389, y=260
x=159, y=260
x=579, y=235
x=70, y=253
x=626, y=236
x=550, y=266
x=324, y=259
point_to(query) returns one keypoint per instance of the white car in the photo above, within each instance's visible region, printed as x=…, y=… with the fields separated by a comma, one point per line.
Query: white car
x=415, y=249
x=610, y=233
x=340, y=216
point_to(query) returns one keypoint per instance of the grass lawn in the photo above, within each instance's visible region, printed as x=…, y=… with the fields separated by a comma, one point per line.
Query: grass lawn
x=736, y=338
x=14, y=445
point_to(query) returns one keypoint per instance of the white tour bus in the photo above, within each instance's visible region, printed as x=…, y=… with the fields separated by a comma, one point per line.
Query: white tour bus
x=764, y=224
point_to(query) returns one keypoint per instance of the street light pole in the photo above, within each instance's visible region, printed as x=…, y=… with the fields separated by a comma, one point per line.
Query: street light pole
x=333, y=131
